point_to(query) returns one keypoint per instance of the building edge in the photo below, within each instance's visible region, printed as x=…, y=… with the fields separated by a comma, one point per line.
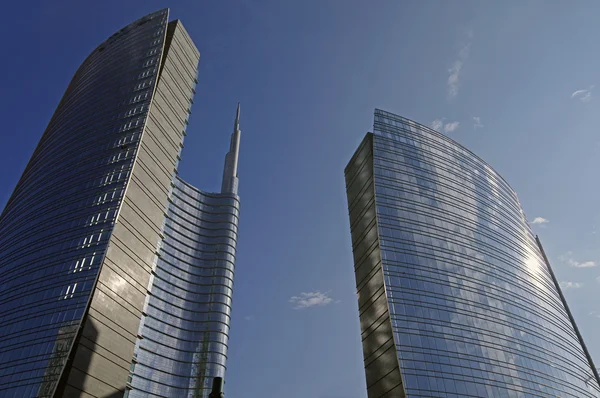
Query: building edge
x=569, y=313
x=378, y=341
x=112, y=319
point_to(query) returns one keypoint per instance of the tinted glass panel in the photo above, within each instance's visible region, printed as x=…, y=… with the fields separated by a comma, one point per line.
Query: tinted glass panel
x=474, y=309
x=54, y=228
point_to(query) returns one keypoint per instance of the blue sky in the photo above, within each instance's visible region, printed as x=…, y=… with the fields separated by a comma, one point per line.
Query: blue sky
x=504, y=79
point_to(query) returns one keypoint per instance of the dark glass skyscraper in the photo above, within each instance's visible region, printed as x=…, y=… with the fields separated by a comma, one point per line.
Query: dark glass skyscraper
x=456, y=296
x=115, y=275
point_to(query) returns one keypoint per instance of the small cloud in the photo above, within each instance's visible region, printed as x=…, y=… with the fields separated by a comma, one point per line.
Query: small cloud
x=477, y=122
x=450, y=127
x=454, y=77
x=540, y=220
x=337, y=301
x=595, y=313
x=586, y=264
x=310, y=299
x=454, y=71
x=437, y=124
x=570, y=285
x=248, y=318
x=568, y=258
x=583, y=95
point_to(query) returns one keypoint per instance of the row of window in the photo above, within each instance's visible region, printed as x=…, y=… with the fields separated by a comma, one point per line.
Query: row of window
x=56, y=227
x=472, y=303
x=185, y=332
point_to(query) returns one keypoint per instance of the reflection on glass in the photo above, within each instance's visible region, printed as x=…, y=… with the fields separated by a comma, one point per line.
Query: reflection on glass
x=185, y=328
x=55, y=226
x=473, y=307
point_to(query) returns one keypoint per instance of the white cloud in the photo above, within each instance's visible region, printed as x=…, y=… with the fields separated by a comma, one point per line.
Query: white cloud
x=586, y=264
x=583, y=95
x=454, y=71
x=568, y=258
x=310, y=299
x=450, y=127
x=477, y=122
x=540, y=220
x=595, y=313
x=437, y=124
x=248, y=318
x=570, y=285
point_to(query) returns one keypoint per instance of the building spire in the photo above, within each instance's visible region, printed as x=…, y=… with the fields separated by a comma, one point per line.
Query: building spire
x=230, y=176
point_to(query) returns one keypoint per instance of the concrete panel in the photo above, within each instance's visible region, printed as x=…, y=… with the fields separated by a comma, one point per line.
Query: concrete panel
x=376, y=289
x=153, y=180
x=149, y=187
x=157, y=154
x=375, y=306
x=371, y=283
x=96, y=387
x=383, y=365
x=363, y=219
x=121, y=288
x=107, y=323
x=384, y=386
x=135, y=243
x=150, y=209
x=370, y=280
x=395, y=392
x=111, y=308
x=166, y=139
x=140, y=224
x=368, y=238
x=374, y=356
x=381, y=361
x=107, y=341
x=72, y=392
x=130, y=263
x=365, y=265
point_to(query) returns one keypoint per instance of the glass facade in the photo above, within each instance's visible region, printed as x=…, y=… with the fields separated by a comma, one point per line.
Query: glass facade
x=55, y=227
x=115, y=275
x=473, y=306
x=185, y=328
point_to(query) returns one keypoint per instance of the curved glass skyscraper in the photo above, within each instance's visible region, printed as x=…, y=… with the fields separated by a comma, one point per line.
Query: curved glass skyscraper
x=185, y=327
x=456, y=297
x=100, y=234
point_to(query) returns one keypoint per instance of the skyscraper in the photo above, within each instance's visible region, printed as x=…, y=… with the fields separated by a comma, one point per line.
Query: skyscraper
x=182, y=342
x=115, y=274
x=456, y=297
